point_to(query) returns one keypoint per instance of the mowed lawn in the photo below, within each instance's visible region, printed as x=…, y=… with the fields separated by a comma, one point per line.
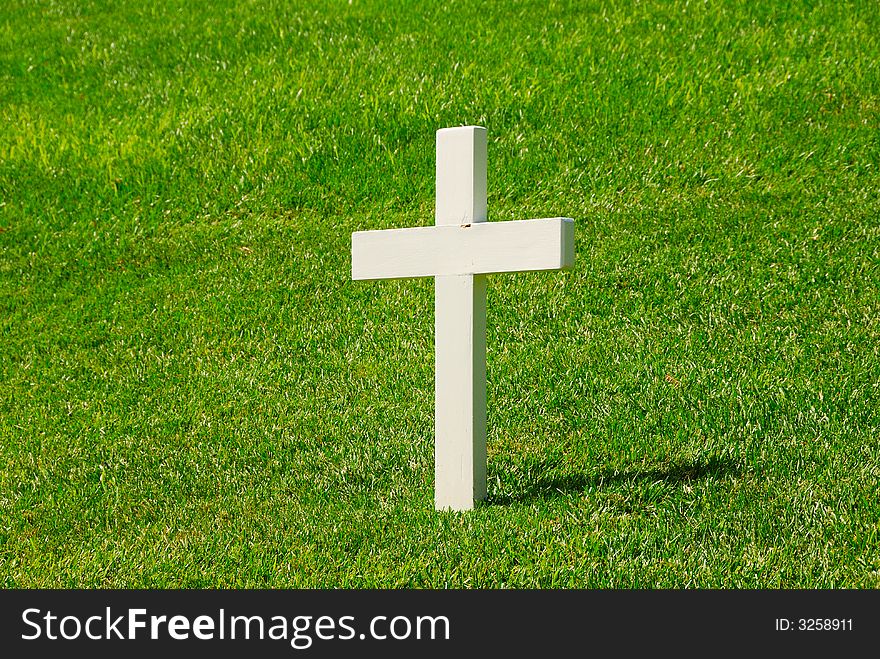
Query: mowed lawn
x=194, y=394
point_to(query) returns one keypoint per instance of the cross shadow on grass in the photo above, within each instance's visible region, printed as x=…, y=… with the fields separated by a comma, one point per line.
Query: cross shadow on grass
x=550, y=479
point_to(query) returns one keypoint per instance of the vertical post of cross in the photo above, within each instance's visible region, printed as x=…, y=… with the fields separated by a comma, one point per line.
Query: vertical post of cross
x=460, y=330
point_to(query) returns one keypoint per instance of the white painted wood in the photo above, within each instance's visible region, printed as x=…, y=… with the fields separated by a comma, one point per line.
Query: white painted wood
x=459, y=323
x=459, y=251
x=461, y=175
x=460, y=391
x=480, y=248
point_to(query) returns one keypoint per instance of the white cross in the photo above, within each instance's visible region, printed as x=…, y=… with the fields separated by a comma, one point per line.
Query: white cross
x=458, y=252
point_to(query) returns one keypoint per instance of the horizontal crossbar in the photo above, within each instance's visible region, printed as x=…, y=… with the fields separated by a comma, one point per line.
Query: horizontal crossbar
x=478, y=248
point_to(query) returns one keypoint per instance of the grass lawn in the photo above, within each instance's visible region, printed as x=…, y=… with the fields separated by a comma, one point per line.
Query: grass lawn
x=194, y=394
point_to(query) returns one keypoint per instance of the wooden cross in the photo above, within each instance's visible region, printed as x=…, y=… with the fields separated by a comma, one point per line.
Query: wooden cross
x=459, y=251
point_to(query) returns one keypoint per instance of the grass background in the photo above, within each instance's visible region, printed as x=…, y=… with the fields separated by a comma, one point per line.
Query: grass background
x=193, y=392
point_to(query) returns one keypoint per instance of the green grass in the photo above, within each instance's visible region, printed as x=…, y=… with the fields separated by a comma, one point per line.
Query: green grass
x=193, y=392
